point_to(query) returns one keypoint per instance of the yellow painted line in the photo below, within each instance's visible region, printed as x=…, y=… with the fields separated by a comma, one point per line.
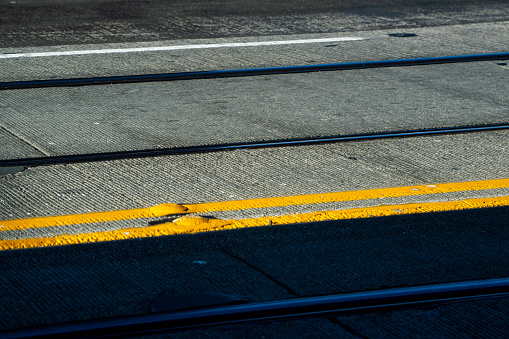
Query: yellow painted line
x=391, y=192
x=95, y=217
x=172, y=209
x=195, y=224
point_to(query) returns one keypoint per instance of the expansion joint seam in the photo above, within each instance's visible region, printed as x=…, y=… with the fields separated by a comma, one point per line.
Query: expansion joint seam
x=347, y=328
x=25, y=140
x=257, y=269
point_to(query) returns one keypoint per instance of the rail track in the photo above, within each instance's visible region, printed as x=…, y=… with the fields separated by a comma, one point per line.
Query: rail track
x=291, y=309
x=91, y=157
x=251, y=71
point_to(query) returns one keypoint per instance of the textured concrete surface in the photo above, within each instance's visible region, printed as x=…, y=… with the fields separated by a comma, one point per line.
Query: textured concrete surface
x=15, y=147
x=356, y=255
x=97, y=280
x=99, y=293
x=58, y=284
x=224, y=176
x=257, y=173
x=92, y=119
x=458, y=39
x=322, y=328
x=486, y=318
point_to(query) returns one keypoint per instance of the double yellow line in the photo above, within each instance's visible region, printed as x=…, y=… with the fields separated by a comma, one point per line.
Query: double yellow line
x=192, y=223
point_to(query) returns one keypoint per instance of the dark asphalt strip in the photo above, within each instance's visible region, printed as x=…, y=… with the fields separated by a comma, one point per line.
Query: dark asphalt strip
x=300, y=308
x=77, y=158
x=250, y=71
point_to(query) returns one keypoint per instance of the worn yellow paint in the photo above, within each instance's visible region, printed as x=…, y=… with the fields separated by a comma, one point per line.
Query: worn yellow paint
x=378, y=211
x=391, y=192
x=169, y=228
x=95, y=217
x=169, y=209
x=195, y=224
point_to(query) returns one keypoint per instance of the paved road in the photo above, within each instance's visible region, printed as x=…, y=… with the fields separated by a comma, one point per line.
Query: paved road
x=60, y=22
x=112, y=118
x=45, y=285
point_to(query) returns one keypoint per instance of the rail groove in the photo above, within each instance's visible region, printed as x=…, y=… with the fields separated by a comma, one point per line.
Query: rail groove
x=90, y=157
x=299, y=308
x=250, y=71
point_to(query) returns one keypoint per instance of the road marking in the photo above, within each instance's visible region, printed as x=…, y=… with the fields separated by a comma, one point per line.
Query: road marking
x=95, y=217
x=175, y=209
x=177, y=47
x=200, y=224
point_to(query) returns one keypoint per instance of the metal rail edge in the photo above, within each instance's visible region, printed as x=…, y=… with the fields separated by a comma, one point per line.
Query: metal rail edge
x=251, y=71
x=90, y=157
x=281, y=310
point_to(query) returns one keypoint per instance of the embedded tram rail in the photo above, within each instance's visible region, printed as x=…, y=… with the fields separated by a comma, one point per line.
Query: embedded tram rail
x=303, y=308
x=69, y=159
x=252, y=72
x=245, y=73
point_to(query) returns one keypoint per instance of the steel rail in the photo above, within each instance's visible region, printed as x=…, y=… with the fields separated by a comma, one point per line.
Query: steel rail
x=90, y=157
x=290, y=309
x=251, y=71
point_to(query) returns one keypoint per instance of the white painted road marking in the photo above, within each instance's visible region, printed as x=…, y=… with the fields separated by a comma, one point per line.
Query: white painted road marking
x=172, y=48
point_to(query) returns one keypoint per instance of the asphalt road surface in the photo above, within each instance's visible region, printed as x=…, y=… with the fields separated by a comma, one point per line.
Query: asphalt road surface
x=60, y=22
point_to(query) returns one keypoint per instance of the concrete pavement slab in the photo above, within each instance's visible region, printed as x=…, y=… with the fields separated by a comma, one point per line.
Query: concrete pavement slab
x=322, y=328
x=464, y=320
x=412, y=250
x=66, y=283
x=18, y=64
x=485, y=318
x=256, y=173
x=364, y=254
x=59, y=190
x=76, y=282
x=106, y=118
x=110, y=279
x=263, y=173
